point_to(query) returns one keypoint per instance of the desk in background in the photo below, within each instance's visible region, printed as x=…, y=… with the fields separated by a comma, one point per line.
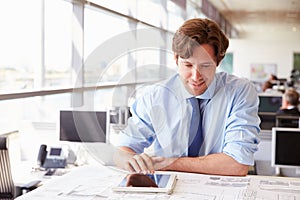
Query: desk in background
x=96, y=181
x=25, y=174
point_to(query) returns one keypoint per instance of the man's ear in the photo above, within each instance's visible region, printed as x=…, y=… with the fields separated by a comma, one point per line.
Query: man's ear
x=176, y=58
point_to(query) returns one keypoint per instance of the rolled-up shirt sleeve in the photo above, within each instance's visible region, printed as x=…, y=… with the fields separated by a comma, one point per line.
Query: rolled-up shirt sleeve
x=139, y=133
x=242, y=126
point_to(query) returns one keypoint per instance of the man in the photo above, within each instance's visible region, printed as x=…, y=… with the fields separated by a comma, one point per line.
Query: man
x=290, y=102
x=220, y=137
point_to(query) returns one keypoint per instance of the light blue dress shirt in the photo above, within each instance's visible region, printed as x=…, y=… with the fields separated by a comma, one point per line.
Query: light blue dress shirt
x=162, y=118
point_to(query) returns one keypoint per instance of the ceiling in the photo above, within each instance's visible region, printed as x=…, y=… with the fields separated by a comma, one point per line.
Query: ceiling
x=261, y=17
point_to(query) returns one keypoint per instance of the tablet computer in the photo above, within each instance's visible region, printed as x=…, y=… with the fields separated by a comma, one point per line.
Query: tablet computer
x=163, y=183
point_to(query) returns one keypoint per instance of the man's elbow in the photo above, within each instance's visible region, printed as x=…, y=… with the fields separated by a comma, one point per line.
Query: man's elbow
x=241, y=170
x=235, y=168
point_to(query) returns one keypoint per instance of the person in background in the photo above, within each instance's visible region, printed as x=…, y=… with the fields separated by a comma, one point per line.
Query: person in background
x=198, y=120
x=290, y=102
x=273, y=77
x=294, y=77
x=267, y=86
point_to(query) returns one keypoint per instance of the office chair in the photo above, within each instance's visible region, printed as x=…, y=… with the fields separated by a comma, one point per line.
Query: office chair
x=7, y=188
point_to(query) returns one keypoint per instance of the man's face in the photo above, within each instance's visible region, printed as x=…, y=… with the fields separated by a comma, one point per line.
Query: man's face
x=197, y=71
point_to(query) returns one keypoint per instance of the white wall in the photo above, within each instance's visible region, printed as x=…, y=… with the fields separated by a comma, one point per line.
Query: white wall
x=264, y=50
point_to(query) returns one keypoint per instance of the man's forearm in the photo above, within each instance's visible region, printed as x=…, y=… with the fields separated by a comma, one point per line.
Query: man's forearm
x=127, y=149
x=219, y=164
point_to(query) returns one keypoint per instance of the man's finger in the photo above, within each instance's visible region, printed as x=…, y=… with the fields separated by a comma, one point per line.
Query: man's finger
x=141, y=162
x=134, y=164
x=157, y=159
x=148, y=161
x=128, y=167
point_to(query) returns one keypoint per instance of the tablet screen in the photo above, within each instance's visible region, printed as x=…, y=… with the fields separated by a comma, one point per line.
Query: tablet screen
x=161, y=180
x=158, y=182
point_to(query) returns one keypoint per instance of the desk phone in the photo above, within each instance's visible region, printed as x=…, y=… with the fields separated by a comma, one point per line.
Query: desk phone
x=54, y=158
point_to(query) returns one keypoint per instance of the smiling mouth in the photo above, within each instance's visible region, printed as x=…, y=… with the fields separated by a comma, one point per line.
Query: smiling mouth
x=198, y=84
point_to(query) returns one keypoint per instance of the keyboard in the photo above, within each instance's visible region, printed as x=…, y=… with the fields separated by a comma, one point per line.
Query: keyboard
x=56, y=172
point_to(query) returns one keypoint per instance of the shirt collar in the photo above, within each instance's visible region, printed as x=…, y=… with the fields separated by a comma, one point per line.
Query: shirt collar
x=290, y=107
x=209, y=93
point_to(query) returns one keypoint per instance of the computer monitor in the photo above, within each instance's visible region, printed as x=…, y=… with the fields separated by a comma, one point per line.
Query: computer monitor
x=82, y=126
x=288, y=121
x=285, y=147
x=268, y=106
x=268, y=103
x=267, y=120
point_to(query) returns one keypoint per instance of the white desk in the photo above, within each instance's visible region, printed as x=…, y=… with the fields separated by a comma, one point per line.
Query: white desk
x=95, y=182
x=25, y=176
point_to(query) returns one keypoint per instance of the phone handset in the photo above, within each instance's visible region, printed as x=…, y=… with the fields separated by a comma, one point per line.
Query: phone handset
x=53, y=159
x=42, y=155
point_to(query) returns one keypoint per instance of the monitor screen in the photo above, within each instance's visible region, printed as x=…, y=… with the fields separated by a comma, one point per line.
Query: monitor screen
x=82, y=126
x=285, y=147
x=269, y=103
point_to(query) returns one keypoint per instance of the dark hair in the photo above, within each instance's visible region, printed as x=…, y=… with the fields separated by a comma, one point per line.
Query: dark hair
x=195, y=32
x=267, y=85
x=273, y=77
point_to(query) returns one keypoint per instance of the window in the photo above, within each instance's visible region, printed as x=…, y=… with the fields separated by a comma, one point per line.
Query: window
x=146, y=10
x=227, y=63
x=58, y=43
x=35, y=45
x=126, y=7
x=20, y=47
x=296, y=61
x=176, y=16
x=104, y=46
x=41, y=49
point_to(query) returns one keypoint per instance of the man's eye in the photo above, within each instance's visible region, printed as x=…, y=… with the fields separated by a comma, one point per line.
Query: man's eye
x=188, y=65
x=206, y=65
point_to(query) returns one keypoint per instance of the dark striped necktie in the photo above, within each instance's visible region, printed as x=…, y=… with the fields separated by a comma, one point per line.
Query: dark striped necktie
x=195, y=135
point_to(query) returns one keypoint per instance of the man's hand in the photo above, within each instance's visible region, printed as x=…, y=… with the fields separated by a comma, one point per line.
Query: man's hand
x=141, y=163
